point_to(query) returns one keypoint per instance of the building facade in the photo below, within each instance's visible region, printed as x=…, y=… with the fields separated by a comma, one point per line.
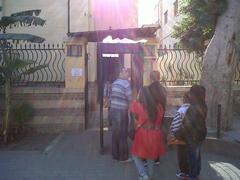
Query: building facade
x=84, y=15
x=166, y=12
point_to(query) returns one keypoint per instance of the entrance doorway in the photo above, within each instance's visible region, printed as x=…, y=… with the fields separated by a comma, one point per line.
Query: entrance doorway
x=111, y=58
x=136, y=51
x=111, y=63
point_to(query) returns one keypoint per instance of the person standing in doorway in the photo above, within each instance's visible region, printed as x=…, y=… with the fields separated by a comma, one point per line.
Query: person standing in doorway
x=120, y=98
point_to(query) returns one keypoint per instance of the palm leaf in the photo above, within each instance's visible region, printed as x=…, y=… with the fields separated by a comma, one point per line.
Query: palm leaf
x=19, y=64
x=9, y=21
x=34, y=69
x=22, y=37
x=12, y=65
x=33, y=12
x=3, y=71
x=2, y=80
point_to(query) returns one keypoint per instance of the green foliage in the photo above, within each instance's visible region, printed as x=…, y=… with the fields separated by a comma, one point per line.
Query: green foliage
x=21, y=37
x=11, y=66
x=24, y=18
x=21, y=113
x=2, y=81
x=199, y=18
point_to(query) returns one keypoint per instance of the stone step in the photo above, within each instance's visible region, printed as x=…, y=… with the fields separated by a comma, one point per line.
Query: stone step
x=51, y=112
x=57, y=123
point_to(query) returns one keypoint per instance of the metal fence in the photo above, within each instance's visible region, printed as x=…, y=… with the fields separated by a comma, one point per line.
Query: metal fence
x=51, y=55
x=180, y=67
x=177, y=66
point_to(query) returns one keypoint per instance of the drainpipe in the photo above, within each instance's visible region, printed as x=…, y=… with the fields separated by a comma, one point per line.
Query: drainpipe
x=1, y=8
x=68, y=20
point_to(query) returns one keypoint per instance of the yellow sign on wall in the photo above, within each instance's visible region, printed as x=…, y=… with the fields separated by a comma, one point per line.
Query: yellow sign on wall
x=74, y=64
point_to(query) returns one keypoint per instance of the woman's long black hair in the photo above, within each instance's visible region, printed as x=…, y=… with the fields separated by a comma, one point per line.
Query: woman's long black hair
x=149, y=104
x=159, y=93
x=197, y=95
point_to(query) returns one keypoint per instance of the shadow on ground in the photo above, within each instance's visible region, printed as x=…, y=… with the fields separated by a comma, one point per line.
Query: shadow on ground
x=29, y=142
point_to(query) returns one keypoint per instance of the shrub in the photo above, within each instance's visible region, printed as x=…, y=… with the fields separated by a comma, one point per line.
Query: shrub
x=21, y=113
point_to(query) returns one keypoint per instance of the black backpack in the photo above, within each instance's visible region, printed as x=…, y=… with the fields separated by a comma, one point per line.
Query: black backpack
x=195, y=123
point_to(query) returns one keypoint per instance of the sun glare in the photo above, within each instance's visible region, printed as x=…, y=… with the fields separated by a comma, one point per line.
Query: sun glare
x=225, y=170
x=146, y=11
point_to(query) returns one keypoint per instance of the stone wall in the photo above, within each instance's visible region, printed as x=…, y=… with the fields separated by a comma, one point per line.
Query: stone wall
x=175, y=94
x=174, y=100
x=60, y=109
x=55, y=109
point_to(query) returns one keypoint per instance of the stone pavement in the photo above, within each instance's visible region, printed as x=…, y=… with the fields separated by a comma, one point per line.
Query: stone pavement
x=75, y=156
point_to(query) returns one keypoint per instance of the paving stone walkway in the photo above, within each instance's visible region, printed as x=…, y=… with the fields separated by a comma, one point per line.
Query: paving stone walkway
x=75, y=156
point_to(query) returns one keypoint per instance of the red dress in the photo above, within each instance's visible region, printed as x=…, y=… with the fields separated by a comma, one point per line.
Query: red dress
x=148, y=143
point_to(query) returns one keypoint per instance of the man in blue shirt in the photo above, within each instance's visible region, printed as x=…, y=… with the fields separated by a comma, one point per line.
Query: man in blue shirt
x=120, y=98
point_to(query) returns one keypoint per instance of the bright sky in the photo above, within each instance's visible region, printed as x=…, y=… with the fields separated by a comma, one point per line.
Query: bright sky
x=146, y=11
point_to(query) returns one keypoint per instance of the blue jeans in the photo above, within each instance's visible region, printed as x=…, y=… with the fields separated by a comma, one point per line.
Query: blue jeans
x=182, y=158
x=194, y=160
x=119, y=120
x=142, y=170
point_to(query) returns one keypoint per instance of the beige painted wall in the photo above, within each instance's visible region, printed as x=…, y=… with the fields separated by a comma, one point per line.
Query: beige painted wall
x=55, y=14
x=117, y=14
x=82, y=19
x=71, y=63
x=123, y=14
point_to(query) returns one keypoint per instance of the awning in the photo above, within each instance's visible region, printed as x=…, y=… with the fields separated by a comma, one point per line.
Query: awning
x=131, y=33
x=110, y=40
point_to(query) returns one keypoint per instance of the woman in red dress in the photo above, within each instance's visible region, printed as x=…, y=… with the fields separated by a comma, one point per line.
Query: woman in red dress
x=148, y=141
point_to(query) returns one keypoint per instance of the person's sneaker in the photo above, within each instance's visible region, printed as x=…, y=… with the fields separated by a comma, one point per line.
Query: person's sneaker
x=127, y=160
x=157, y=163
x=182, y=175
x=144, y=177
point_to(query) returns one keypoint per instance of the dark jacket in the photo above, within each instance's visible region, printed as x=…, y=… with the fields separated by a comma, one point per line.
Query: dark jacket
x=193, y=129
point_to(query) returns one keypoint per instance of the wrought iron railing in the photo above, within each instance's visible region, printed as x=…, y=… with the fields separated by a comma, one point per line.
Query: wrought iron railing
x=51, y=55
x=179, y=67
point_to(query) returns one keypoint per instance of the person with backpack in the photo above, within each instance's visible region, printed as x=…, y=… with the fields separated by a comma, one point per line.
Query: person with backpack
x=193, y=130
x=183, y=172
